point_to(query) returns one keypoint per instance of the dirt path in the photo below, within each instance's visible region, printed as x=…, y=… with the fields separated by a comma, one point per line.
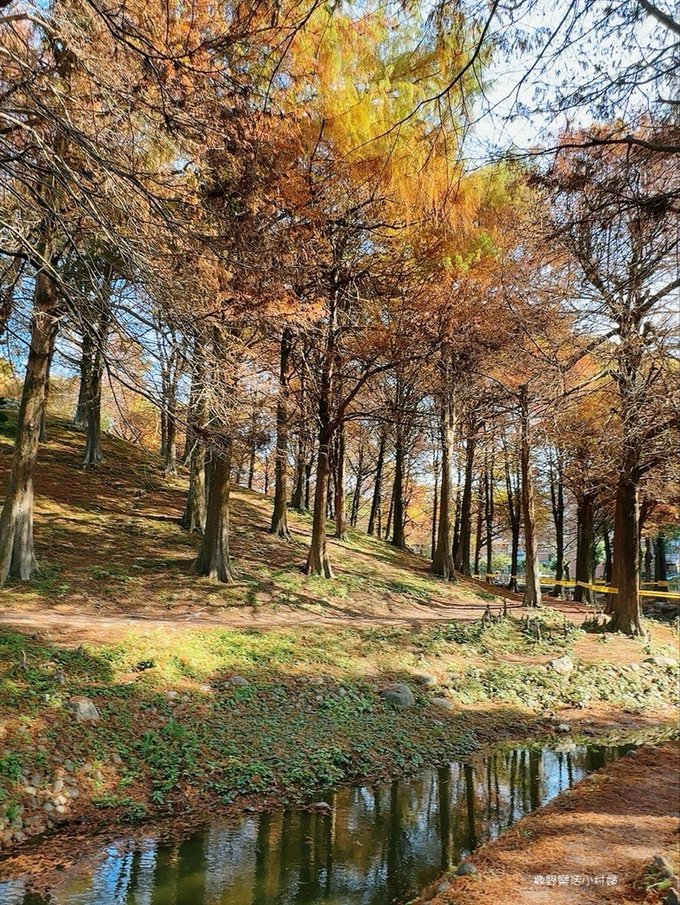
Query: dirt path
x=590, y=846
x=69, y=619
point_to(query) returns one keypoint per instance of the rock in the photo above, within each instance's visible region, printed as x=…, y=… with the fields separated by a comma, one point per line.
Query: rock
x=58, y=786
x=634, y=667
x=206, y=689
x=425, y=678
x=661, y=661
x=442, y=887
x=30, y=790
x=83, y=709
x=442, y=703
x=398, y=693
x=68, y=766
x=466, y=869
x=562, y=666
x=48, y=807
x=172, y=695
x=563, y=727
x=672, y=897
x=238, y=681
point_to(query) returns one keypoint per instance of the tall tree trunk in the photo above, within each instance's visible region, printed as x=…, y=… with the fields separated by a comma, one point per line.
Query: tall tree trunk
x=463, y=561
x=80, y=417
x=478, y=528
x=398, y=537
x=435, y=505
x=213, y=558
x=318, y=561
x=455, y=545
x=43, y=419
x=279, y=525
x=390, y=513
x=373, y=518
x=585, y=546
x=442, y=561
x=648, y=559
x=660, y=571
x=514, y=518
x=340, y=523
x=194, y=517
x=625, y=604
x=557, y=503
x=300, y=500
x=489, y=516
x=93, y=414
x=532, y=586
x=17, y=556
x=358, y=487
x=251, y=465
x=607, y=555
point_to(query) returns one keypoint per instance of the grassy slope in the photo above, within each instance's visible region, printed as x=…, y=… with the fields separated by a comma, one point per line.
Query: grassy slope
x=175, y=734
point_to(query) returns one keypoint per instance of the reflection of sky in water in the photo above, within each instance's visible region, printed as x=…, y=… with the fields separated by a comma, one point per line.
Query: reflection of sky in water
x=381, y=844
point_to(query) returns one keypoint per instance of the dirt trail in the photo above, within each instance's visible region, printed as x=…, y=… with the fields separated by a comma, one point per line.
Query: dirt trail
x=66, y=618
x=590, y=846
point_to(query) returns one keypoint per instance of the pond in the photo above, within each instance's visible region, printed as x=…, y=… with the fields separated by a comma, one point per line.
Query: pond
x=376, y=844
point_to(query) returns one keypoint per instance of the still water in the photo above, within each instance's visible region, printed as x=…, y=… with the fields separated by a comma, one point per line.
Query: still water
x=379, y=844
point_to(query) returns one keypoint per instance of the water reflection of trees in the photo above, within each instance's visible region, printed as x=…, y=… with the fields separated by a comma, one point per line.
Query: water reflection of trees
x=379, y=844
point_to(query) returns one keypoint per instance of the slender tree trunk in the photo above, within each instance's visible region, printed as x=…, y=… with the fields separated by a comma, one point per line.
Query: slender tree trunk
x=625, y=604
x=340, y=523
x=585, y=547
x=356, y=497
x=17, y=556
x=648, y=559
x=251, y=466
x=513, y=494
x=194, y=517
x=463, y=562
x=300, y=500
x=435, y=504
x=308, y=485
x=557, y=503
x=279, y=525
x=318, y=562
x=532, y=586
x=398, y=538
x=442, y=561
x=80, y=417
x=478, y=529
x=43, y=419
x=607, y=555
x=489, y=517
x=455, y=545
x=170, y=450
x=93, y=414
x=213, y=559
x=390, y=513
x=660, y=571
x=374, y=516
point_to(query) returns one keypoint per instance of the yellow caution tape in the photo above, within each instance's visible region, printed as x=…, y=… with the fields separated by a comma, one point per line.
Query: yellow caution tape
x=674, y=595
x=654, y=584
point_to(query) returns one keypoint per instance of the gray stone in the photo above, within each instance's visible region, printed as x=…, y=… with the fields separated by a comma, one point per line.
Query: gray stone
x=661, y=661
x=425, y=678
x=398, y=693
x=238, y=681
x=442, y=703
x=563, y=727
x=562, y=666
x=466, y=869
x=83, y=709
x=443, y=887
